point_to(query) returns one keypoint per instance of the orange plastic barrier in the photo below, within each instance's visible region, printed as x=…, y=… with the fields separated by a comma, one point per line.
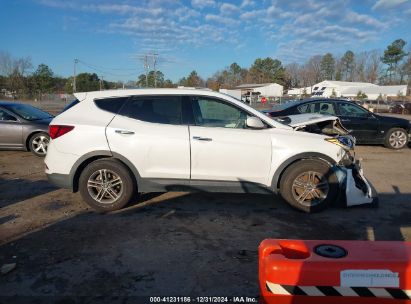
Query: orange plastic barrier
x=295, y=271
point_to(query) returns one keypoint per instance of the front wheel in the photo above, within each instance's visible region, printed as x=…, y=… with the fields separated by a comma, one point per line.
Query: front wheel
x=309, y=185
x=106, y=185
x=38, y=144
x=396, y=138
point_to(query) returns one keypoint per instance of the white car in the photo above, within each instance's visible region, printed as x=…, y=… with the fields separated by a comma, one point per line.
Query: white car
x=112, y=144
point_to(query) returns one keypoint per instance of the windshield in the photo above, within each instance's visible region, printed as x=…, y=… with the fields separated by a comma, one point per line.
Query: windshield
x=28, y=112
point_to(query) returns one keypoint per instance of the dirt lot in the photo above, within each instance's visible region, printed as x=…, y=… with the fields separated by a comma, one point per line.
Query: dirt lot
x=173, y=243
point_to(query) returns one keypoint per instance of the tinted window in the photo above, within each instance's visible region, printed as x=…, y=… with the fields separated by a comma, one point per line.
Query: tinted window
x=112, y=105
x=306, y=108
x=348, y=109
x=4, y=116
x=325, y=108
x=215, y=113
x=70, y=105
x=159, y=109
x=27, y=112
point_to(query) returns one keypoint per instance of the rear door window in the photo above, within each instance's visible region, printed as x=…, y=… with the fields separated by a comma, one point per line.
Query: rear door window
x=154, y=109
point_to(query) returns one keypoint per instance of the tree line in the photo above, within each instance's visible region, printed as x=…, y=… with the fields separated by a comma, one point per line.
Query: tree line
x=392, y=66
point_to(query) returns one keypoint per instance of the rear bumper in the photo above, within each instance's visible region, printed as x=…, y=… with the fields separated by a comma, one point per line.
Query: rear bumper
x=60, y=180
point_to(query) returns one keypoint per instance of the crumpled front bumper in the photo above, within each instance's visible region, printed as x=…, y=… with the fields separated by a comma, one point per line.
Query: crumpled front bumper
x=356, y=189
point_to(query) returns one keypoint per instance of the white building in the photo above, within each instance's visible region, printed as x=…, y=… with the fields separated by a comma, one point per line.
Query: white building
x=234, y=93
x=328, y=88
x=300, y=91
x=265, y=89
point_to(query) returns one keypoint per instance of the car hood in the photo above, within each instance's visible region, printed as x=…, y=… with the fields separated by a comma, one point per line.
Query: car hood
x=391, y=119
x=327, y=124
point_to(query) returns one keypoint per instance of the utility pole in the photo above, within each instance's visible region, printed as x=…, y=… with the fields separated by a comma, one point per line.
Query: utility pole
x=74, y=76
x=155, y=70
x=101, y=82
x=146, y=67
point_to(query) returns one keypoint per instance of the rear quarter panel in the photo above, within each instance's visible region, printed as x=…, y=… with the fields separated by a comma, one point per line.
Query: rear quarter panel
x=89, y=129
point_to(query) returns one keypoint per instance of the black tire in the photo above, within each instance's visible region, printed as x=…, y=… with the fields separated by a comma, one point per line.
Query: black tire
x=396, y=138
x=38, y=144
x=112, y=170
x=309, y=199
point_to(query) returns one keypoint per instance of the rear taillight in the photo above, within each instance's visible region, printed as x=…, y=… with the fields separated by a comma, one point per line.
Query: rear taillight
x=57, y=131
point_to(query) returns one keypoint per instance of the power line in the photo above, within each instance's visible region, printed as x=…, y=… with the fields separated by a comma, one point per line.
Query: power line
x=95, y=68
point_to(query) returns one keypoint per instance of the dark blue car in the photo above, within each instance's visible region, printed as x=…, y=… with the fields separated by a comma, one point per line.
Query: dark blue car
x=367, y=127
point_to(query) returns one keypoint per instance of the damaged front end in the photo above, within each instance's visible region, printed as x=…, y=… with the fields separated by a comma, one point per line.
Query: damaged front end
x=355, y=188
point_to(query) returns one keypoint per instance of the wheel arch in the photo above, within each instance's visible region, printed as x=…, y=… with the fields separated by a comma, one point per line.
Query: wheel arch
x=275, y=181
x=88, y=158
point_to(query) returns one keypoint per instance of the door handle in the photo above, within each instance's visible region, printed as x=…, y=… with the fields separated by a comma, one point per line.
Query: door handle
x=345, y=120
x=202, y=138
x=124, y=132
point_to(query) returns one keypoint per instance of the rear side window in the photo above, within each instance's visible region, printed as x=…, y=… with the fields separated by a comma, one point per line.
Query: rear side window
x=70, y=105
x=112, y=105
x=155, y=109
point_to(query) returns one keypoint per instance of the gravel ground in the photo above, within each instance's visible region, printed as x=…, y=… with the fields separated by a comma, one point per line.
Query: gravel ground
x=171, y=243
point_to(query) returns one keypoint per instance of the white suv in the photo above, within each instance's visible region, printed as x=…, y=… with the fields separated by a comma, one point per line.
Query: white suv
x=112, y=144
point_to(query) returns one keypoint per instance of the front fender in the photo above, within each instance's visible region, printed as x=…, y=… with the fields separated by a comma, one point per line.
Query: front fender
x=275, y=181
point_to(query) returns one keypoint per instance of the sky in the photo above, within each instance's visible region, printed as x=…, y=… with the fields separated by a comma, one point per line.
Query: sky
x=111, y=37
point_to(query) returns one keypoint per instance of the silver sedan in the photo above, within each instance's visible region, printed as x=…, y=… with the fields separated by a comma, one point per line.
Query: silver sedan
x=24, y=127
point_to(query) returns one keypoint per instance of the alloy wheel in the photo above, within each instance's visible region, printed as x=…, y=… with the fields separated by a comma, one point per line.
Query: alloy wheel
x=40, y=144
x=398, y=139
x=105, y=186
x=310, y=188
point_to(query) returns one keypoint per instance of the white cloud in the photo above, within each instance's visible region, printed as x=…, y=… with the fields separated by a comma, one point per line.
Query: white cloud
x=228, y=9
x=203, y=3
x=246, y=3
x=354, y=17
x=253, y=15
x=221, y=19
x=388, y=4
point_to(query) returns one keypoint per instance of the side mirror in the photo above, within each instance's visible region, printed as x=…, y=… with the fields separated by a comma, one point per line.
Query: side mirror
x=254, y=123
x=371, y=115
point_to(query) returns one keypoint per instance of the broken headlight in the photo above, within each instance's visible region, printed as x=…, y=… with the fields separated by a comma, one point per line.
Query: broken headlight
x=347, y=142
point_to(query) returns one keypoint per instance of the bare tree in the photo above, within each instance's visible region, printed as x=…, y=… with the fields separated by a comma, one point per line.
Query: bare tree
x=360, y=66
x=313, y=69
x=373, y=66
x=293, y=71
x=6, y=64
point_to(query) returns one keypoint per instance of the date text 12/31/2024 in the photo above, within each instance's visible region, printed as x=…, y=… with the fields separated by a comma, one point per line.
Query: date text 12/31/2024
x=204, y=299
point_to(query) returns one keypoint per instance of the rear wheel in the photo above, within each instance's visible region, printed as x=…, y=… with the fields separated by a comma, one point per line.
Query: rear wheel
x=309, y=185
x=38, y=144
x=396, y=138
x=106, y=185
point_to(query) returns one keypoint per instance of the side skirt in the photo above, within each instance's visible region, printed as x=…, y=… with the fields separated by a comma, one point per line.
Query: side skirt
x=165, y=185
